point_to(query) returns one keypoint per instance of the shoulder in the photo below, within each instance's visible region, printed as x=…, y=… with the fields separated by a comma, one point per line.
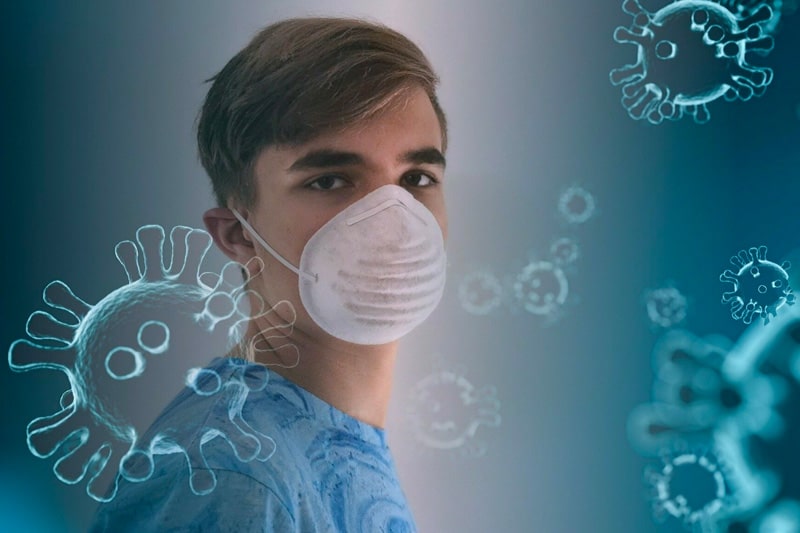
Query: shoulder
x=167, y=502
x=213, y=464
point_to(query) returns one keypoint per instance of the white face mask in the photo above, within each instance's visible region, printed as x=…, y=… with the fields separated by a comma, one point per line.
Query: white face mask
x=373, y=272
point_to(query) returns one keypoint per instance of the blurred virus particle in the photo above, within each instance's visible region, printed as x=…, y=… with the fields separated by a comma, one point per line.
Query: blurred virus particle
x=689, y=374
x=564, y=251
x=690, y=53
x=694, y=397
x=576, y=205
x=666, y=306
x=128, y=355
x=772, y=350
x=758, y=424
x=541, y=288
x=692, y=487
x=480, y=292
x=783, y=517
x=747, y=8
x=445, y=411
x=760, y=287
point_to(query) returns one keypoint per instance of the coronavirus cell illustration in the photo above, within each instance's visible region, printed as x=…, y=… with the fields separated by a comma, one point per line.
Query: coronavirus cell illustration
x=128, y=355
x=693, y=397
x=690, y=53
x=743, y=398
x=542, y=288
x=445, y=411
x=747, y=8
x=759, y=287
x=576, y=205
x=693, y=487
x=666, y=306
x=564, y=251
x=480, y=292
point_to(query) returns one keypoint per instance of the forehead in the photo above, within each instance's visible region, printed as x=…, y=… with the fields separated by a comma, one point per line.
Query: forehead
x=408, y=123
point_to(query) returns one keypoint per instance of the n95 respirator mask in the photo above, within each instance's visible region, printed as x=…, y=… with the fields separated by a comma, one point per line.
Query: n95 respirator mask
x=373, y=272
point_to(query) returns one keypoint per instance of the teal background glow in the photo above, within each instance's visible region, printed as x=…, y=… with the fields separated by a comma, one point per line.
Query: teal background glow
x=99, y=102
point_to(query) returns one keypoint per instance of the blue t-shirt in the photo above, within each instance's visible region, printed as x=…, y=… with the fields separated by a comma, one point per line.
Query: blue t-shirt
x=328, y=473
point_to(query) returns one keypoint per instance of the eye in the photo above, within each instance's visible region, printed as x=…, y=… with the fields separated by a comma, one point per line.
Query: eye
x=327, y=183
x=420, y=179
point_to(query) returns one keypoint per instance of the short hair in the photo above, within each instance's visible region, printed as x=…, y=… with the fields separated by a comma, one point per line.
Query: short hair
x=297, y=79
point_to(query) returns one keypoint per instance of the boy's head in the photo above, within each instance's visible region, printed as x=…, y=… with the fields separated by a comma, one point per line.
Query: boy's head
x=297, y=79
x=308, y=119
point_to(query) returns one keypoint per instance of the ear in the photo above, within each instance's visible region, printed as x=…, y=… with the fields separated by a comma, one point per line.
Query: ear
x=228, y=234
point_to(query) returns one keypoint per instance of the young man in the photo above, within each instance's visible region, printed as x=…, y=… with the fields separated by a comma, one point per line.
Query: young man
x=324, y=141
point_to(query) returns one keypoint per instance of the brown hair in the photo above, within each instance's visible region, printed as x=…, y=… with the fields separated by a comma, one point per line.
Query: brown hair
x=299, y=78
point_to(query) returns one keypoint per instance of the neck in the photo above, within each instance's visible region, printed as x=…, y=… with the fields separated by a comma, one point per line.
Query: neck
x=355, y=379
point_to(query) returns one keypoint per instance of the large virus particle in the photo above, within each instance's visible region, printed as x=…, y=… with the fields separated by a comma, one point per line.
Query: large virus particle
x=689, y=375
x=541, y=288
x=576, y=205
x=666, y=306
x=128, y=355
x=759, y=374
x=693, y=487
x=690, y=53
x=445, y=411
x=760, y=286
x=480, y=292
x=693, y=397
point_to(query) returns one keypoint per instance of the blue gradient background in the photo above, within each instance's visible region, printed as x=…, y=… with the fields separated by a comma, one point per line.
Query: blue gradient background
x=99, y=102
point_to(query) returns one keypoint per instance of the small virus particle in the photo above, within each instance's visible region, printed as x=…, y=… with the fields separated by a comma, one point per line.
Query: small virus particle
x=564, y=251
x=760, y=287
x=691, y=487
x=542, y=288
x=666, y=306
x=480, y=292
x=126, y=357
x=690, y=53
x=576, y=205
x=445, y=411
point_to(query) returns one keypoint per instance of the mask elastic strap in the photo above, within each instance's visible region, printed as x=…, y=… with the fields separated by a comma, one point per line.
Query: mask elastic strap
x=272, y=252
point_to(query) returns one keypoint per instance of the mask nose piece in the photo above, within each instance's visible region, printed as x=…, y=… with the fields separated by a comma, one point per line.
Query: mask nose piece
x=383, y=206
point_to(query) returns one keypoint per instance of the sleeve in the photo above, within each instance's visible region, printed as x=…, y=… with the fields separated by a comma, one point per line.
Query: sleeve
x=238, y=503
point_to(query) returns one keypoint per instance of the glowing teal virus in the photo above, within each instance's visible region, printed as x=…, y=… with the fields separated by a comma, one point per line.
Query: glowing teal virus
x=690, y=375
x=666, y=306
x=760, y=286
x=480, y=292
x=126, y=357
x=690, y=53
x=694, y=397
x=576, y=205
x=747, y=8
x=446, y=410
x=692, y=487
x=742, y=398
x=564, y=251
x=542, y=288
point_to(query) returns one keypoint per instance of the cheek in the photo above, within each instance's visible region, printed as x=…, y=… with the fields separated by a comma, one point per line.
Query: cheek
x=440, y=213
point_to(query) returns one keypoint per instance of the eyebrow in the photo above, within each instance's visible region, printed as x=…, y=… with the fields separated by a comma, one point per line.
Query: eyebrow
x=325, y=158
